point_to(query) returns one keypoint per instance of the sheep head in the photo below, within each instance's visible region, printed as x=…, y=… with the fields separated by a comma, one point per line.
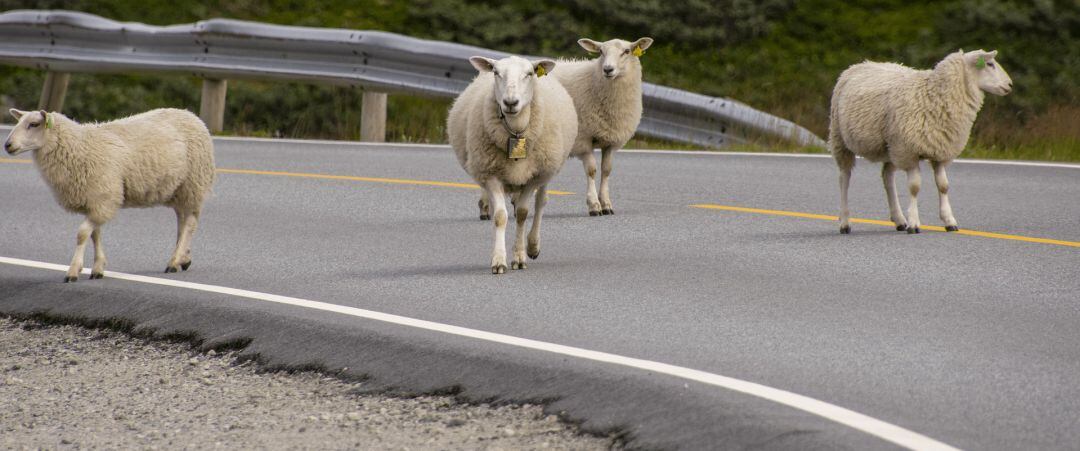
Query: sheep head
x=29, y=132
x=515, y=80
x=616, y=56
x=987, y=73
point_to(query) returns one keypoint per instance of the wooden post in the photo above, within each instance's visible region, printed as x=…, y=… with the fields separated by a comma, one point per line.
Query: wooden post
x=212, y=110
x=373, y=117
x=52, y=95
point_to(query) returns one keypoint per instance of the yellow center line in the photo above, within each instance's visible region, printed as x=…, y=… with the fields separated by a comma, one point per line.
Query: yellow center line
x=367, y=179
x=342, y=177
x=1000, y=236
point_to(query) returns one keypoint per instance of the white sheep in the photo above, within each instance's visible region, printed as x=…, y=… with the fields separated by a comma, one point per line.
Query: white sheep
x=890, y=113
x=161, y=157
x=607, y=97
x=512, y=130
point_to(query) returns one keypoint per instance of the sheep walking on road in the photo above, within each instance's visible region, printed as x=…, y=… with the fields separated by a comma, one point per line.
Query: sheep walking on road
x=607, y=97
x=512, y=130
x=896, y=115
x=161, y=157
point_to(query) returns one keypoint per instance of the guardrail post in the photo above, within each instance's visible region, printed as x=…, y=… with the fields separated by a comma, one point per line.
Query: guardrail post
x=212, y=110
x=373, y=117
x=52, y=95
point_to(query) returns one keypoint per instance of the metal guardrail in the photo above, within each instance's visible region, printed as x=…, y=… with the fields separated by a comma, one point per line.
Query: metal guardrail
x=220, y=49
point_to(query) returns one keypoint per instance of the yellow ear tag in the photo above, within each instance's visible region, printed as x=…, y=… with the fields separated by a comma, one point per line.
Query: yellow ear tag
x=48, y=121
x=638, y=51
x=540, y=71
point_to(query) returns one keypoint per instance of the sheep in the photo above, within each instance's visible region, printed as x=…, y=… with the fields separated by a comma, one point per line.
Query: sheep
x=607, y=97
x=161, y=157
x=896, y=115
x=512, y=130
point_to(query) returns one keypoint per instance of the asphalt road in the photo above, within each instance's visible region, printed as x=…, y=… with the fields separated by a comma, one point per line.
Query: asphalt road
x=969, y=340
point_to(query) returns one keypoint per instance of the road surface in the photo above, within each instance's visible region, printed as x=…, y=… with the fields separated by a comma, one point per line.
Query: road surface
x=717, y=309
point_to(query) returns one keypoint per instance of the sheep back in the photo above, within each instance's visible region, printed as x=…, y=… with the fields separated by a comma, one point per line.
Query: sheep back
x=167, y=157
x=889, y=112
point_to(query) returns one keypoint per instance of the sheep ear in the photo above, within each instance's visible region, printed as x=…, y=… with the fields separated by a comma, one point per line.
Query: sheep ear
x=543, y=67
x=643, y=43
x=992, y=53
x=589, y=45
x=482, y=64
x=48, y=120
x=17, y=114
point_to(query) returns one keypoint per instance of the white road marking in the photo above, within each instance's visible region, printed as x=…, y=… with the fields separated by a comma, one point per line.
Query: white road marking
x=869, y=425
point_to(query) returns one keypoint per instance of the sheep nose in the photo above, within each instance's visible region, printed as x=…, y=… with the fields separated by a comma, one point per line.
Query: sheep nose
x=7, y=145
x=510, y=103
x=609, y=69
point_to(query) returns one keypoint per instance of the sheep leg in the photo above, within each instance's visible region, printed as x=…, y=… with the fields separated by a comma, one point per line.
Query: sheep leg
x=914, y=182
x=888, y=173
x=534, y=233
x=521, y=213
x=943, y=195
x=85, y=229
x=485, y=206
x=589, y=161
x=608, y=157
x=192, y=226
x=99, y=254
x=498, y=204
x=186, y=223
x=845, y=160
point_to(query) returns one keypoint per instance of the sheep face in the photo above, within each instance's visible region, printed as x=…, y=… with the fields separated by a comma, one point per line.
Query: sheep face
x=29, y=133
x=616, y=55
x=515, y=80
x=988, y=74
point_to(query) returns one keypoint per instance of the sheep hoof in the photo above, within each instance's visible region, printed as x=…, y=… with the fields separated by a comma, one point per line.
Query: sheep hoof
x=901, y=227
x=534, y=253
x=517, y=265
x=185, y=266
x=71, y=279
x=498, y=269
x=844, y=230
x=485, y=217
x=170, y=269
x=96, y=275
x=594, y=213
x=913, y=230
x=607, y=211
x=952, y=229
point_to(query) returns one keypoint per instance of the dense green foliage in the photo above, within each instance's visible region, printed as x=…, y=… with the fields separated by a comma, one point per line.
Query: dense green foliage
x=780, y=56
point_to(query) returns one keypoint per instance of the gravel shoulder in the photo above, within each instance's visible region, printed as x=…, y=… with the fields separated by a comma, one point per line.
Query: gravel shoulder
x=72, y=387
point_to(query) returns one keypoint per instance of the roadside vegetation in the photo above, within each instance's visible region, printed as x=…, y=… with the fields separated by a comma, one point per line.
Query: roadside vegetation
x=780, y=56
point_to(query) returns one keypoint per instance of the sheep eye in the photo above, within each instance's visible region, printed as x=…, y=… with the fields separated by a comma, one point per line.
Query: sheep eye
x=990, y=64
x=32, y=124
x=626, y=52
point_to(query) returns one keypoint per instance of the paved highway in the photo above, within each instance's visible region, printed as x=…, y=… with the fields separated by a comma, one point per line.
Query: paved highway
x=717, y=309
